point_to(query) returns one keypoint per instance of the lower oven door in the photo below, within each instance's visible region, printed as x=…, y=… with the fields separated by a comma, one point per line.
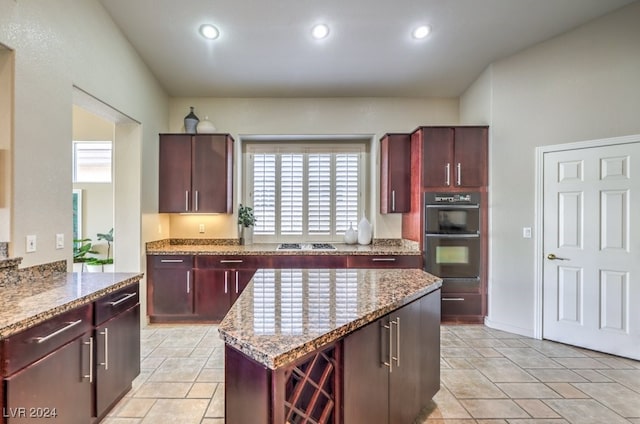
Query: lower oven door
x=453, y=257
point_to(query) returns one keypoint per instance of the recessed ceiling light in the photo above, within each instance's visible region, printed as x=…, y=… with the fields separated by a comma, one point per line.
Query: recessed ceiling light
x=421, y=32
x=320, y=31
x=209, y=32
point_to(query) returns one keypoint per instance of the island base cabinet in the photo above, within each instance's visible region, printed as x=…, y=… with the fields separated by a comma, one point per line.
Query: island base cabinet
x=247, y=389
x=117, y=358
x=53, y=389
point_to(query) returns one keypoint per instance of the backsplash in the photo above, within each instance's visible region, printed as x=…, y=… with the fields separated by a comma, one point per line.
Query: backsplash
x=10, y=273
x=4, y=250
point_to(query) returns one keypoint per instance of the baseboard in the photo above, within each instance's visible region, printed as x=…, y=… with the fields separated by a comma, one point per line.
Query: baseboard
x=508, y=328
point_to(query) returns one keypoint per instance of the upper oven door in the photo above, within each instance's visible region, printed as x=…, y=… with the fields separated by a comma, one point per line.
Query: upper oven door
x=452, y=219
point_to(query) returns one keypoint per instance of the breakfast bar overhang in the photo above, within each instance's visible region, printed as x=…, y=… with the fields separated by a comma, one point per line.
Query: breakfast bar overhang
x=332, y=346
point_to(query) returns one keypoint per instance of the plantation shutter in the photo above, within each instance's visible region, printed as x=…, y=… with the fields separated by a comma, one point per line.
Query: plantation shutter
x=264, y=193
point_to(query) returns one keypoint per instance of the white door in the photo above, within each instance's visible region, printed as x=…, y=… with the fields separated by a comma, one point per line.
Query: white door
x=591, y=271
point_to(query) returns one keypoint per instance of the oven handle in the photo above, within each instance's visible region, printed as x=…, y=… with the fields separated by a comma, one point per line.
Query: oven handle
x=452, y=206
x=476, y=235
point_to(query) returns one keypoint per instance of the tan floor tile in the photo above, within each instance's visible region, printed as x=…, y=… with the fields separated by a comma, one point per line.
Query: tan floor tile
x=202, y=390
x=182, y=341
x=614, y=396
x=486, y=343
x=211, y=375
x=619, y=363
x=444, y=406
x=116, y=420
x=584, y=411
x=581, y=363
x=459, y=352
x=567, y=391
x=501, y=370
x=178, y=369
x=216, y=359
x=491, y=422
x=135, y=408
x=493, y=408
x=162, y=390
x=465, y=384
x=216, y=406
x=528, y=357
x=202, y=352
x=447, y=421
x=593, y=376
x=171, y=352
x=527, y=391
x=629, y=378
x=151, y=363
x=459, y=363
x=536, y=408
x=556, y=375
x=212, y=421
x=513, y=343
x=183, y=411
x=538, y=421
x=488, y=352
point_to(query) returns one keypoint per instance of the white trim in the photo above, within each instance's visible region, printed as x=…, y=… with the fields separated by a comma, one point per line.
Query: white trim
x=539, y=213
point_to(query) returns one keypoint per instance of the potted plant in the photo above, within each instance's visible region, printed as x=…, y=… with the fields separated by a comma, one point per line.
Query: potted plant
x=81, y=247
x=102, y=265
x=246, y=221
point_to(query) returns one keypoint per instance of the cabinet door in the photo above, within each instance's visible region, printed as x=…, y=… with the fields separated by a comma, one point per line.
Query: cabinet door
x=395, y=173
x=171, y=291
x=404, y=380
x=174, y=191
x=117, y=358
x=212, y=173
x=58, y=384
x=365, y=377
x=437, y=150
x=241, y=279
x=430, y=346
x=213, y=293
x=470, y=156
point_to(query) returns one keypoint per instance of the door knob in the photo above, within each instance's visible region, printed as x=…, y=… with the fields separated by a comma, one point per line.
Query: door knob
x=553, y=257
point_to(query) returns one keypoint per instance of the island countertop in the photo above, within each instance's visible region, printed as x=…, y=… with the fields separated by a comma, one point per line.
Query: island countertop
x=283, y=314
x=27, y=304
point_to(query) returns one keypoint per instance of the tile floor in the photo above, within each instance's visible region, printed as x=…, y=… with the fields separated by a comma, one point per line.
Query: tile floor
x=488, y=377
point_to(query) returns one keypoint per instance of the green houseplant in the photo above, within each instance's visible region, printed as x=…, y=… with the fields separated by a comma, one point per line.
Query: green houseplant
x=98, y=264
x=246, y=221
x=81, y=248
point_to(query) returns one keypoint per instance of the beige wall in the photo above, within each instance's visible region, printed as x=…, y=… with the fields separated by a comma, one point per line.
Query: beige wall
x=308, y=116
x=58, y=45
x=582, y=85
x=6, y=133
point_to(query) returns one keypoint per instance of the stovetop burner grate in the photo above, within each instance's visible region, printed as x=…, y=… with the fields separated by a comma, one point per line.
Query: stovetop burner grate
x=322, y=246
x=290, y=246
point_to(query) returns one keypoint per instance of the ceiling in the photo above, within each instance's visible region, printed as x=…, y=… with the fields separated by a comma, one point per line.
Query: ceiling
x=266, y=50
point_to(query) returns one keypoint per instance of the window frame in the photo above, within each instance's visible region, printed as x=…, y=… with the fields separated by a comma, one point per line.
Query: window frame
x=74, y=160
x=304, y=147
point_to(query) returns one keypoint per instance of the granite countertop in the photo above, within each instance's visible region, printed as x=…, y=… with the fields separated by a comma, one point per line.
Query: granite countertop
x=271, y=249
x=27, y=304
x=285, y=314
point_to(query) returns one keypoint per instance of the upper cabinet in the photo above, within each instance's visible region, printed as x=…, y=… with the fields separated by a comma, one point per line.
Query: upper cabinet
x=196, y=173
x=454, y=157
x=395, y=173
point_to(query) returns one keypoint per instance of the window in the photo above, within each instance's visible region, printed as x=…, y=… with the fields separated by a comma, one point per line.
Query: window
x=304, y=192
x=91, y=162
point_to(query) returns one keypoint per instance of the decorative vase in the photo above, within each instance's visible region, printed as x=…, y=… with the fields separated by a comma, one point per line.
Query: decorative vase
x=350, y=236
x=191, y=122
x=246, y=235
x=364, y=231
x=205, y=126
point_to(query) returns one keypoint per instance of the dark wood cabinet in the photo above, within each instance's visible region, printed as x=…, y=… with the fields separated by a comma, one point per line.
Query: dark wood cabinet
x=454, y=157
x=395, y=173
x=196, y=173
x=384, y=261
x=170, y=287
x=389, y=364
x=117, y=344
x=56, y=388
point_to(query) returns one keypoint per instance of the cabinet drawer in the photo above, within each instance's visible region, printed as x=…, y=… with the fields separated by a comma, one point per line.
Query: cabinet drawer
x=385, y=261
x=461, y=304
x=472, y=286
x=28, y=346
x=308, y=261
x=114, y=303
x=232, y=262
x=172, y=261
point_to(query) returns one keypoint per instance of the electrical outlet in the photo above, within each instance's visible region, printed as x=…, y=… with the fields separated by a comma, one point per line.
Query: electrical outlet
x=59, y=241
x=31, y=244
x=526, y=232
x=201, y=228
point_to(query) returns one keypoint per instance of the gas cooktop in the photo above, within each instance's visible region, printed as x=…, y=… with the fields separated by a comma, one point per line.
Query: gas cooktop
x=306, y=246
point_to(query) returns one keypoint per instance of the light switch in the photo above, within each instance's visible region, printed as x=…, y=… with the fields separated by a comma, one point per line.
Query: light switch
x=31, y=244
x=59, y=241
x=526, y=232
x=201, y=228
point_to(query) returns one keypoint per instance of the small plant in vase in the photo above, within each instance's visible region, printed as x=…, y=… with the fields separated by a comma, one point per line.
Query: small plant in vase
x=246, y=221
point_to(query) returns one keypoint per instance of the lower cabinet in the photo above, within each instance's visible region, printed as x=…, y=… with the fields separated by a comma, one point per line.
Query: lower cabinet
x=216, y=290
x=117, y=344
x=73, y=367
x=389, y=364
x=56, y=388
x=170, y=288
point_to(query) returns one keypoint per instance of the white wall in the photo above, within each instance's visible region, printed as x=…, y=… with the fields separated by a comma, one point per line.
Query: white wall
x=59, y=44
x=582, y=85
x=308, y=116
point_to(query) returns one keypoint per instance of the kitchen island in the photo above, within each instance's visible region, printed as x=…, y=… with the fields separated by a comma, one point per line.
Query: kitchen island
x=332, y=346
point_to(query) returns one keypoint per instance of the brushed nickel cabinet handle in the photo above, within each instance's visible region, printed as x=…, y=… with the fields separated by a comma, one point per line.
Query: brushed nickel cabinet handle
x=393, y=200
x=197, y=201
x=447, y=176
x=57, y=332
x=171, y=261
x=237, y=282
x=90, y=375
x=383, y=259
x=186, y=201
x=188, y=282
x=105, y=333
x=231, y=261
x=117, y=302
x=453, y=299
x=391, y=358
x=458, y=174
x=398, y=341
x=226, y=281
